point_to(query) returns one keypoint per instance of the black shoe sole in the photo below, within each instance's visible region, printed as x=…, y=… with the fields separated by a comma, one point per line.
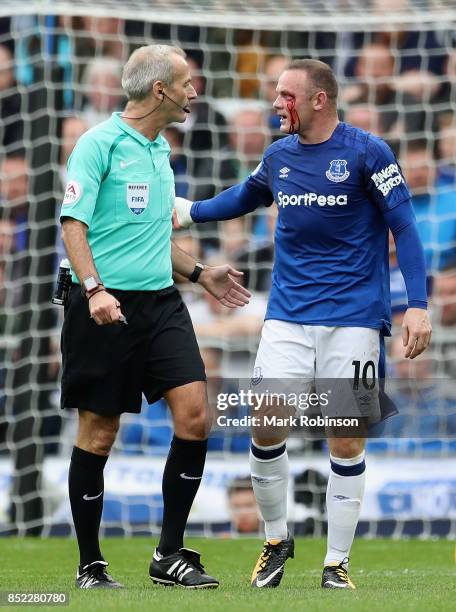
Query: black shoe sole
x=100, y=586
x=171, y=583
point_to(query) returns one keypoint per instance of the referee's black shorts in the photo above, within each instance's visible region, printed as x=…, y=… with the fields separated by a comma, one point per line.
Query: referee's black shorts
x=106, y=368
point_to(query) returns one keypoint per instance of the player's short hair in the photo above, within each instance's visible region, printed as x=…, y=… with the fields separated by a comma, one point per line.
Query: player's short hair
x=418, y=144
x=145, y=66
x=237, y=485
x=320, y=75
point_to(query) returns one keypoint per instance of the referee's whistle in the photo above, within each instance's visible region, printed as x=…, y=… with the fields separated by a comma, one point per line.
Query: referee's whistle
x=123, y=319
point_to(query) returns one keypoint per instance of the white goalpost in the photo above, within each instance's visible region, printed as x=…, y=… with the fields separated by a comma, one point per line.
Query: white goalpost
x=61, y=65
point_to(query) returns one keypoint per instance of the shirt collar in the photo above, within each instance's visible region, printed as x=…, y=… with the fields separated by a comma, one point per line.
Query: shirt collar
x=159, y=141
x=337, y=130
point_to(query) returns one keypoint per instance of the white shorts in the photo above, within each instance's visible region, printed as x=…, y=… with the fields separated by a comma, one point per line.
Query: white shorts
x=301, y=358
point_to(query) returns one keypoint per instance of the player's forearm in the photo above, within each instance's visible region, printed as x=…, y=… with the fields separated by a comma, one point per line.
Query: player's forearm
x=410, y=257
x=230, y=204
x=74, y=236
x=182, y=262
x=410, y=254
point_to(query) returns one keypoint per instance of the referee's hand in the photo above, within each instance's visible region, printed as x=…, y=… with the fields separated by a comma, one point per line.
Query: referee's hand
x=104, y=308
x=416, y=332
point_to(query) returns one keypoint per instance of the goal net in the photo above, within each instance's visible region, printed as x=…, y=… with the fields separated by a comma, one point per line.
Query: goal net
x=60, y=70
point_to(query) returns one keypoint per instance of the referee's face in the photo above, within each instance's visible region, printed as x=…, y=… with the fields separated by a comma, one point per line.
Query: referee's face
x=180, y=94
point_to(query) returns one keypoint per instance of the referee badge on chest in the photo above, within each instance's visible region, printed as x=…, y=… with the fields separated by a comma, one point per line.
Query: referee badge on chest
x=137, y=197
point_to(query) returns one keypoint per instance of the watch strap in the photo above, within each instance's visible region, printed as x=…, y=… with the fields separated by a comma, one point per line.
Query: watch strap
x=90, y=294
x=194, y=276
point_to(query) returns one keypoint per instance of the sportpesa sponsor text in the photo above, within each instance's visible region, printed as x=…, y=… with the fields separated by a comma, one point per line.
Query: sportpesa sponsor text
x=307, y=199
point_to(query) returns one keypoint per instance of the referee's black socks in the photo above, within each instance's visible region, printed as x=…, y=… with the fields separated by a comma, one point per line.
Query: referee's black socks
x=181, y=480
x=86, y=488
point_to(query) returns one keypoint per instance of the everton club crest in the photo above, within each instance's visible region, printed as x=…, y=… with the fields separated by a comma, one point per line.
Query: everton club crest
x=337, y=171
x=257, y=376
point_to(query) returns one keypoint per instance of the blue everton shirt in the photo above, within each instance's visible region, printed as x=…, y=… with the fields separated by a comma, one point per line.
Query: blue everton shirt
x=331, y=240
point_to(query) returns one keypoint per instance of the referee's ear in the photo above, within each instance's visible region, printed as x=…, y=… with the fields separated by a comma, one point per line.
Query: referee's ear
x=157, y=90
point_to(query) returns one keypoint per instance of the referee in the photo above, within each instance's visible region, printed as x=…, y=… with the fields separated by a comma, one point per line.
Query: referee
x=126, y=330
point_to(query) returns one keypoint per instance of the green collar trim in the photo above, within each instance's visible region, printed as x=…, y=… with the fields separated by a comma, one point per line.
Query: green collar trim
x=145, y=142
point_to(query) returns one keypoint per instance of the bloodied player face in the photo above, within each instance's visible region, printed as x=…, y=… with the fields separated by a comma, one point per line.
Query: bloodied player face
x=295, y=101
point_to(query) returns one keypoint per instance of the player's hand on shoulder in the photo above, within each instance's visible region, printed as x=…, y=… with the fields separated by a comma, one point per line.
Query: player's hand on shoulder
x=416, y=331
x=104, y=308
x=181, y=213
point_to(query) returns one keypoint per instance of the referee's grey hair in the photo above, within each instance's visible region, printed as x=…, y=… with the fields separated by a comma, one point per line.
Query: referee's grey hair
x=145, y=66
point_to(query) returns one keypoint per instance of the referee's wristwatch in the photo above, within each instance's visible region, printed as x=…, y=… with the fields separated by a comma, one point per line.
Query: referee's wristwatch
x=194, y=276
x=91, y=285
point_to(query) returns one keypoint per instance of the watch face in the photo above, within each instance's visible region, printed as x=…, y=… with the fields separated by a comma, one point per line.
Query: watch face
x=90, y=283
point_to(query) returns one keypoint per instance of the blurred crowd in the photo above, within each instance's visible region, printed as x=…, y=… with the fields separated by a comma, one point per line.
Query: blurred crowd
x=399, y=85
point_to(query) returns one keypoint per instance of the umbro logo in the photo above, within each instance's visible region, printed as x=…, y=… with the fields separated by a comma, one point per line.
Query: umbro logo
x=260, y=479
x=284, y=172
x=124, y=164
x=364, y=399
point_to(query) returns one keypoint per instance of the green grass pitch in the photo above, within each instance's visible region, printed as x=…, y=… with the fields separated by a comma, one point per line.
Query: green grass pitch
x=389, y=575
